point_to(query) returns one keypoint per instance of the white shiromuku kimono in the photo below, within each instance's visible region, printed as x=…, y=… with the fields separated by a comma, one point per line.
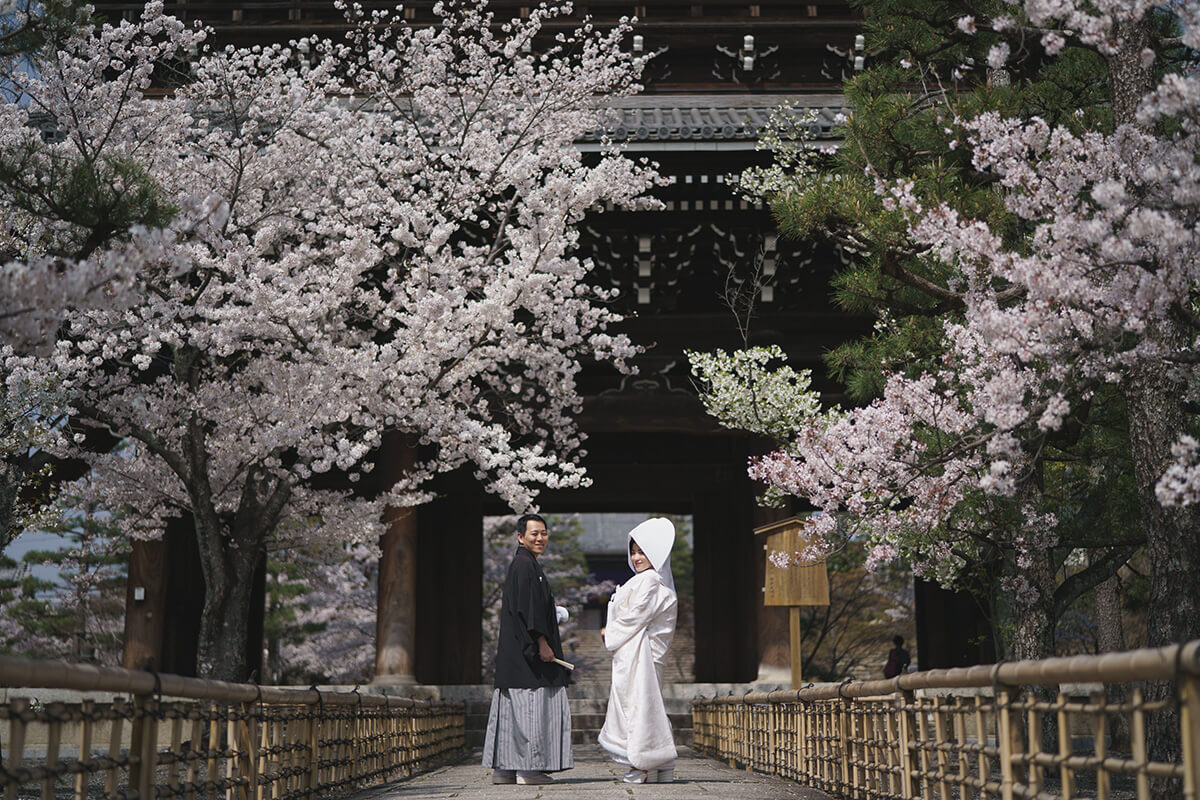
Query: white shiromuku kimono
x=641, y=622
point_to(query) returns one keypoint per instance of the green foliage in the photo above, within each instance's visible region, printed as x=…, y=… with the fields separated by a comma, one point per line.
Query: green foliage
x=286, y=618
x=98, y=200
x=79, y=616
x=33, y=25
x=926, y=76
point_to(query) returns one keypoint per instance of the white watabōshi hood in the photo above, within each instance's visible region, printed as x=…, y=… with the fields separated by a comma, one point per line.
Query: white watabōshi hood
x=656, y=537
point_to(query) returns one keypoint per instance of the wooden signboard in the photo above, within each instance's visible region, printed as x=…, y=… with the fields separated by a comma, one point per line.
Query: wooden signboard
x=805, y=584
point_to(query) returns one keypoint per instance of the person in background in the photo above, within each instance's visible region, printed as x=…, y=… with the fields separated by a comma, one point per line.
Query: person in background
x=897, y=659
x=529, y=725
x=641, y=622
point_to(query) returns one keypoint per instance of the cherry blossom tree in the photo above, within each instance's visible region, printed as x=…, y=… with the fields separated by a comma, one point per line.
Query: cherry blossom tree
x=363, y=236
x=1077, y=291
x=325, y=614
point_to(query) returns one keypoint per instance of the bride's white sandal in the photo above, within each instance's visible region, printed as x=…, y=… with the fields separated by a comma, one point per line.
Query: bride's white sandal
x=639, y=776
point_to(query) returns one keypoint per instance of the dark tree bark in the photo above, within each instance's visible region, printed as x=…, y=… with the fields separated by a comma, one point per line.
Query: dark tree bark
x=1156, y=418
x=231, y=547
x=11, y=477
x=1110, y=630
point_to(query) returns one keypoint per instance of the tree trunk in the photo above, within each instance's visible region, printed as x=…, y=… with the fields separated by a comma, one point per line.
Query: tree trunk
x=1110, y=627
x=231, y=549
x=1156, y=418
x=1172, y=542
x=1033, y=632
x=1111, y=639
x=225, y=621
x=10, y=487
x=1025, y=604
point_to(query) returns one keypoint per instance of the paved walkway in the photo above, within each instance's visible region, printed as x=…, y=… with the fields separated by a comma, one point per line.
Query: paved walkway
x=595, y=778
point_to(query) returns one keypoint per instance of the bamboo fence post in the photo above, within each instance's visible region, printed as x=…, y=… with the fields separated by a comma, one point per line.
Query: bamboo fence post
x=247, y=757
x=314, y=752
x=355, y=725
x=1009, y=735
x=211, y=773
x=904, y=699
x=176, y=750
x=1033, y=773
x=114, y=744
x=891, y=735
x=960, y=739
x=285, y=735
x=1100, y=745
x=981, y=737
x=1066, y=774
x=17, y=709
x=266, y=734
x=233, y=759
x=193, y=764
x=799, y=723
x=843, y=723
x=939, y=739
x=1189, y=724
x=53, y=740
x=143, y=746
x=1138, y=730
x=86, y=709
x=772, y=757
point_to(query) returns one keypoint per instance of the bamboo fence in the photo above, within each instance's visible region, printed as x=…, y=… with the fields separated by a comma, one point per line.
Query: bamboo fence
x=176, y=737
x=1071, y=727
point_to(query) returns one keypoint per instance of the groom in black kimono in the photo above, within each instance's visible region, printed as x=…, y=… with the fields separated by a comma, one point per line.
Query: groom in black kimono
x=529, y=726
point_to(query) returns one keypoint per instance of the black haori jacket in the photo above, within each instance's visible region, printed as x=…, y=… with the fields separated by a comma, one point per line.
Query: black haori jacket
x=527, y=610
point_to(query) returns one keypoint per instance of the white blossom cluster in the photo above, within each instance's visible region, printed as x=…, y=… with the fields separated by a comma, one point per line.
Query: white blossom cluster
x=1180, y=485
x=789, y=138
x=754, y=390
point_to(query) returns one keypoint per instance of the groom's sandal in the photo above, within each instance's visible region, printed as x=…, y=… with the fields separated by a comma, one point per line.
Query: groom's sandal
x=534, y=779
x=664, y=775
x=504, y=776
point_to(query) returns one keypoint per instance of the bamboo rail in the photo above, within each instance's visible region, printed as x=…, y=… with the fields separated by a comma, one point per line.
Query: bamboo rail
x=1008, y=730
x=189, y=738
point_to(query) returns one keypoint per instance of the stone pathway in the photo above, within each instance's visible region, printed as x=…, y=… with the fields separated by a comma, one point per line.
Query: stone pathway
x=595, y=778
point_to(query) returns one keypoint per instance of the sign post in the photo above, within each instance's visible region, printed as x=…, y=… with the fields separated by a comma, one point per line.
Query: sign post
x=803, y=584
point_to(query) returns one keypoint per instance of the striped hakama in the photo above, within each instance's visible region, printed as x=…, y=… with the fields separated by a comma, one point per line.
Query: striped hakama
x=529, y=730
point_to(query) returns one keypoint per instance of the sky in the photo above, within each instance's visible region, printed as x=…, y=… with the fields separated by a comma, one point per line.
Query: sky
x=36, y=540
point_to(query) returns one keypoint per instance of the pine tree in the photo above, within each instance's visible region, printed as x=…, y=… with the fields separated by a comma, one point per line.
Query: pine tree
x=79, y=616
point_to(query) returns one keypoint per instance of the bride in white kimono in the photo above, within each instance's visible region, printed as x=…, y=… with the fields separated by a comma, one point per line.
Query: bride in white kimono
x=641, y=622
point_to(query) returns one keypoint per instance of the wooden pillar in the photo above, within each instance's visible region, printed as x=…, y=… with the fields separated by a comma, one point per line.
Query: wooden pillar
x=395, y=620
x=728, y=595
x=449, y=628
x=145, y=596
x=794, y=641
